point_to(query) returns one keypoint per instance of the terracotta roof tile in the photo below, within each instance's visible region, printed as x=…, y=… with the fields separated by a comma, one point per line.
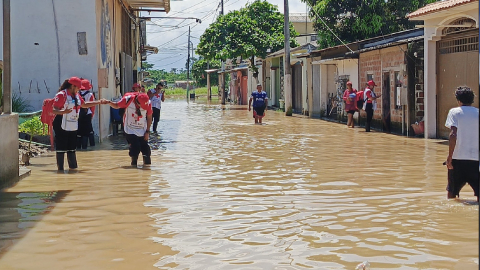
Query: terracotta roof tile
x=437, y=6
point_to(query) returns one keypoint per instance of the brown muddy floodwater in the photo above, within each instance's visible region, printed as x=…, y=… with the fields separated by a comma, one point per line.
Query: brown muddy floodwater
x=223, y=193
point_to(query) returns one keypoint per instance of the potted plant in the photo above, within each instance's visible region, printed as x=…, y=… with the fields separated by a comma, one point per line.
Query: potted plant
x=32, y=127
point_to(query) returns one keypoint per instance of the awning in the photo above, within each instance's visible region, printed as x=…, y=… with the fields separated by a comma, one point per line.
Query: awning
x=151, y=49
x=161, y=5
x=211, y=70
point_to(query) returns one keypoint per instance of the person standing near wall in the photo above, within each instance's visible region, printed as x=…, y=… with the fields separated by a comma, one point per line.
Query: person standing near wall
x=136, y=122
x=370, y=103
x=463, y=159
x=66, y=107
x=85, y=128
x=260, y=103
x=350, y=98
x=157, y=96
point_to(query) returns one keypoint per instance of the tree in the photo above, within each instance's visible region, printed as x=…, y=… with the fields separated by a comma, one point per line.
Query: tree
x=147, y=66
x=199, y=74
x=247, y=33
x=353, y=20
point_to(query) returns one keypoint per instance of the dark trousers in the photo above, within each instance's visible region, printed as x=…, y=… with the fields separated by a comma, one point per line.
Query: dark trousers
x=136, y=145
x=369, y=111
x=85, y=131
x=65, y=142
x=156, y=118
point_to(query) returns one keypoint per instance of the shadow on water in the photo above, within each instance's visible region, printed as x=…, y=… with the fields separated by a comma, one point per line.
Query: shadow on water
x=20, y=211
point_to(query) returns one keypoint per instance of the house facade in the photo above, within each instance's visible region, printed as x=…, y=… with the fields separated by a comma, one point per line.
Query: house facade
x=451, y=57
x=100, y=40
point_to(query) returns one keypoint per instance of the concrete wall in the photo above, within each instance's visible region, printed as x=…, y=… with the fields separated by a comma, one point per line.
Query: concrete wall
x=432, y=35
x=9, y=149
x=36, y=56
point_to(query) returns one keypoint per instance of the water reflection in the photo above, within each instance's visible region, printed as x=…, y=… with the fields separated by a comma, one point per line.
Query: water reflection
x=19, y=212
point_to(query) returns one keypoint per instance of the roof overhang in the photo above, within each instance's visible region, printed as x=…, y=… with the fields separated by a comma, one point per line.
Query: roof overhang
x=158, y=5
x=442, y=9
x=151, y=49
x=385, y=45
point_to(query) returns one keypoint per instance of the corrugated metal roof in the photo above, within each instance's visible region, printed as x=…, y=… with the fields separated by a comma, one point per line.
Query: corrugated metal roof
x=386, y=45
x=299, y=17
x=437, y=6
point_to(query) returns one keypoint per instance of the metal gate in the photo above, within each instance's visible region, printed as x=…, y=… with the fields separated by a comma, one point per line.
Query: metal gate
x=126, y=72
x=297, y=88
x=457, y=65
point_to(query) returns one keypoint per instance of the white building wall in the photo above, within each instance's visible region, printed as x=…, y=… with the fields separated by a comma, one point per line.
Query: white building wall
x=32, y=23
x=432, y=35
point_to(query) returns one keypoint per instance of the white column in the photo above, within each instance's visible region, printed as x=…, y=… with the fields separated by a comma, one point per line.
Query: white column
x=272, y=88
x=430, y=88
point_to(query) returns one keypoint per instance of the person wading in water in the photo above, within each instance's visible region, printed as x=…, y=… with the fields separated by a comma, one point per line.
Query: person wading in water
x=136, y=124
x=66, y=106
x=260, y=103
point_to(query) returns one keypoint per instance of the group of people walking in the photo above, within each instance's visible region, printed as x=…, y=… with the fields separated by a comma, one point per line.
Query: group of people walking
x=74, y=107
x=356, y=100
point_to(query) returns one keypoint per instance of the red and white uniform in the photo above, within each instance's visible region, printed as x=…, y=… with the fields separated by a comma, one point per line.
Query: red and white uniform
x=368, y=93
x=134, y=124
x=156, y=99
x=88, y=97
x=65, y=101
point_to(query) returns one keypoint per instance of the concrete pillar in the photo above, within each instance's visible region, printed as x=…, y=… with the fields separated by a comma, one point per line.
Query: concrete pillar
x=309, y=87
x=9, y=164
x=323, y=87
x=430, y=79
x=209, y=87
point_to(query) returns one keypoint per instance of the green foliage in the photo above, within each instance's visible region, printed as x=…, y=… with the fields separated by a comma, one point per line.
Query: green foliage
x=169, y=77
x=353, y=20
x=147, y=66
x=198, y=91
x=199, y=74
x=247, y=33
x=20, y=104
x=33, y=127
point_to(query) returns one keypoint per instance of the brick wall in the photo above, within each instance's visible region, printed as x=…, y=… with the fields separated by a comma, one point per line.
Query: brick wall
x=377, y=63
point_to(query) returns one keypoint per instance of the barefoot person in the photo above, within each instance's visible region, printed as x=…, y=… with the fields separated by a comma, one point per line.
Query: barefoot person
x=462, y=160
x=66, y=106
x=157, y=96
x=260, y=103
x=136, y=121
x=350, y=98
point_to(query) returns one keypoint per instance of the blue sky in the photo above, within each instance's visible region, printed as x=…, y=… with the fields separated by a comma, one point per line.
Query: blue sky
x=171, y=35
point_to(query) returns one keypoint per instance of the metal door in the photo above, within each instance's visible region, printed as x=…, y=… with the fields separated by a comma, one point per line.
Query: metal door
x=297, y=88
x=386, y=118
x=457, y=65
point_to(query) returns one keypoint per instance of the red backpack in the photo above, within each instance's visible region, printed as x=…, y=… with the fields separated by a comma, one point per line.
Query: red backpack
x=47, y=117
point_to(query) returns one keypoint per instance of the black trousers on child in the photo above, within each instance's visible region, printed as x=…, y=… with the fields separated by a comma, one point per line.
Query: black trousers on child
x=369, y=111
x=136, y=145
x=156, y=118
x=85, y=131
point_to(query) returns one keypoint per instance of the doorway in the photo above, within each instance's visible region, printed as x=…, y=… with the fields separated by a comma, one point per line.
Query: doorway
x=386, y=117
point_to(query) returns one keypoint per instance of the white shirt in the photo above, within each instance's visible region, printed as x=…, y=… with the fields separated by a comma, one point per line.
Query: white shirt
x=132, y=123
x=465, y=118
x=156, y=99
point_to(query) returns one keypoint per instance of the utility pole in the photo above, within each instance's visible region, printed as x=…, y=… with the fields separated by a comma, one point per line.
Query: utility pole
x=287, y=84
x=188, y=66
x=223, y=68
x=7, y=67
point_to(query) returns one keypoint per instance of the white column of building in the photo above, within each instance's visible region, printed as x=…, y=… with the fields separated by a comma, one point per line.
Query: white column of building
x=430, y=88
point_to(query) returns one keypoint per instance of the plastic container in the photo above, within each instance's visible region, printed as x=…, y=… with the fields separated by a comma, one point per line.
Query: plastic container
x=363, y=266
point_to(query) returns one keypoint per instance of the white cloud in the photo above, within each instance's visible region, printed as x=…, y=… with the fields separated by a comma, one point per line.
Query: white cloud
x=171, y=35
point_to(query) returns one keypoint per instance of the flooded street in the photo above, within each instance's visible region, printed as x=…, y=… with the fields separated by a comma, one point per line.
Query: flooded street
x=223, y=193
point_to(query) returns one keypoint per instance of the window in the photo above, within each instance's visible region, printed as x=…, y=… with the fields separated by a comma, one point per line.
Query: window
x=369, y=77
x=397, y=90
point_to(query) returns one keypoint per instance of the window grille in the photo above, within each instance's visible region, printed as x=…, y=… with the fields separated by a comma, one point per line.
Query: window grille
x=458, y=45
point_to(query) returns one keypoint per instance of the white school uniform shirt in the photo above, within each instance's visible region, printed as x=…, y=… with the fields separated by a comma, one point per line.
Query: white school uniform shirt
x=156, y=99
x=465, y=118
